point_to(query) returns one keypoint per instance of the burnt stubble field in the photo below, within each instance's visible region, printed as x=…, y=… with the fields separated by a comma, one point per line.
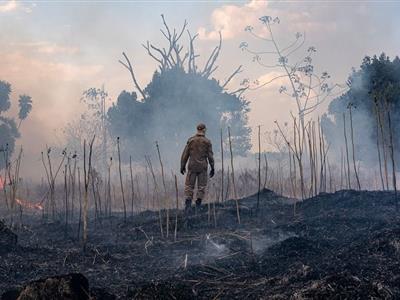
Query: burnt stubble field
x=343, y=245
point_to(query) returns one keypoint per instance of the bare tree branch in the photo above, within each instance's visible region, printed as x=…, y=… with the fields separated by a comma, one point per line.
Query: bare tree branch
x=268, y=82
x=237, y=71
x=192, y=56
x=240, y=90
x=212, y=59
x=147, y=47
x=130, y=69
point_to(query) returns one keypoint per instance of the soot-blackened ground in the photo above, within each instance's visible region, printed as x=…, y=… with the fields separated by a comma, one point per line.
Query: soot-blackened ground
x=337, y=246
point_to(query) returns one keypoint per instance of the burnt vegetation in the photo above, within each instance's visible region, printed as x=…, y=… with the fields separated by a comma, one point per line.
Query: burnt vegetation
x=312, y=214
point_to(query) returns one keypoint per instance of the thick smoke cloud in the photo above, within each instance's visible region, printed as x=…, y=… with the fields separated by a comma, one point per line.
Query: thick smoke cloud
x=176, y=102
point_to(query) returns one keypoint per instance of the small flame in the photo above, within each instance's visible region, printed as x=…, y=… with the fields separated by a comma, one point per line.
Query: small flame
x=1, y=183
x=29, y=205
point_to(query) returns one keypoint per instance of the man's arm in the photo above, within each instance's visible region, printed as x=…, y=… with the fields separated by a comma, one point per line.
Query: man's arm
x=184, y=158
x=210, y=156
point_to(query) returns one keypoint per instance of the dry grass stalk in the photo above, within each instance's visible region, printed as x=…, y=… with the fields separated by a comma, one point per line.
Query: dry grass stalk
x=132, y=185
x=120, y=178
x=165, y=204
x=87, y=169
x=347, y=151
x=233, y=177
x=155, y=194
x=222, y=167
x=177, y=207
x=259, y=167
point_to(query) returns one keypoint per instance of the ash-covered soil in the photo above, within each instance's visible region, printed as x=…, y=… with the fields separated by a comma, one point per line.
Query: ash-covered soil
x=344, y=245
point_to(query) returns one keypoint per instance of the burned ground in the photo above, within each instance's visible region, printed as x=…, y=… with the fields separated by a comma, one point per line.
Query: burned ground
x=344, y=245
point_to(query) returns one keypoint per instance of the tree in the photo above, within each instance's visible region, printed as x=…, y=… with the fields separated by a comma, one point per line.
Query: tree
x=9, y=131
x=92, y=121
x=25, y=106
x=180, y=95
x=373, y=90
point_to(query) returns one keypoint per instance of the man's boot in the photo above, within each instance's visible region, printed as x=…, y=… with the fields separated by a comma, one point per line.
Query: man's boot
x=188, y=206
x=198, y=204
x=188, y=212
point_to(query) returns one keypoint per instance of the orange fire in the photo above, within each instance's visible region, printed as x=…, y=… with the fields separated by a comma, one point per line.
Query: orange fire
x=29, y=205
x=1, y=183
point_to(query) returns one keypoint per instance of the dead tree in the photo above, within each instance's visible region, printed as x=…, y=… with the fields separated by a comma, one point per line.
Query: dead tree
x=174, y=56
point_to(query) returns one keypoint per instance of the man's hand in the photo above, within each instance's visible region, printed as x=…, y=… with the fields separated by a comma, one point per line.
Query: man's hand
x=183, y=170
x=212, y=173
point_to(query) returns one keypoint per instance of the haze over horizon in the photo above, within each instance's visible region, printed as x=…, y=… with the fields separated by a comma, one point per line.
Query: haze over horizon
x=53, y=51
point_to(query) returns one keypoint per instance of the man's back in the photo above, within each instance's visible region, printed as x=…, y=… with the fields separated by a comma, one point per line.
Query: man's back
x=199, y=152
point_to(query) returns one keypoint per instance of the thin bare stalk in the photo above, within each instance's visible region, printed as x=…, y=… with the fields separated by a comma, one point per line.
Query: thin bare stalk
x=352, y=146
x=120, y=178
x=87, y=168
x=177, y=207
x=222, y=167
x=347, y=151
x=165, y=188
x=233, y=177
x=392, y=158
x=132, y=185
x=259, y=167
x=148, y=160
x=378, y=145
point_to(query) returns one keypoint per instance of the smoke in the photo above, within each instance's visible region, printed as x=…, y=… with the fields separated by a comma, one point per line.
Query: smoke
x=260, y=243
x=214, y=249
x=177, y=101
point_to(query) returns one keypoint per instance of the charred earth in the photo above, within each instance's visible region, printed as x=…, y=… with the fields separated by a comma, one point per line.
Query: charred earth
x=344, y=245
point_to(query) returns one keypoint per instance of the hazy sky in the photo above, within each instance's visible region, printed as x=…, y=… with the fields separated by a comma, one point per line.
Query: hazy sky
x=53, y=50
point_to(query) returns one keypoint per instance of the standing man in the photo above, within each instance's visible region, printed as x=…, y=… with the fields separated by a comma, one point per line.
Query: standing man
x=199, y=152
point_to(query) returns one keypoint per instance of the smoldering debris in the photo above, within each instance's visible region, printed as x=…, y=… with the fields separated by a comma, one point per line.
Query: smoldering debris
x=344, y=244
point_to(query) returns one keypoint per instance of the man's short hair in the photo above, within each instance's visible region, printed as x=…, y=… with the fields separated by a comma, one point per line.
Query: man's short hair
x=201, y=126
